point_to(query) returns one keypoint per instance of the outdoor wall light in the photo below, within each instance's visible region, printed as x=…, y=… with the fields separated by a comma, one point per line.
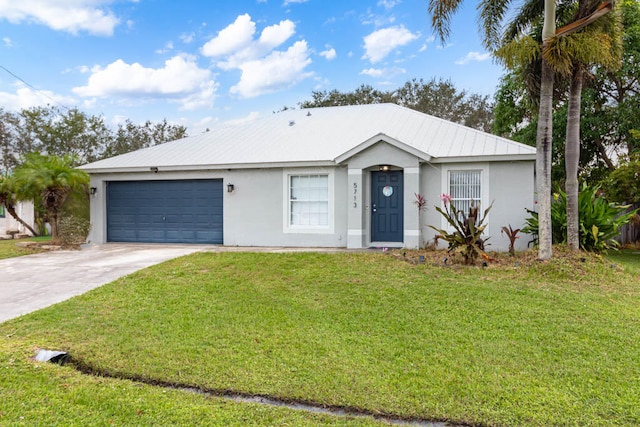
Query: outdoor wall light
x=230, y=188
x=154, y=169
x=385, y=168
x=93, y=191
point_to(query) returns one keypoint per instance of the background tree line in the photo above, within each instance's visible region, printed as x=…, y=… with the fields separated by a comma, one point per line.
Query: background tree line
x=439, y=98
x=70, y=132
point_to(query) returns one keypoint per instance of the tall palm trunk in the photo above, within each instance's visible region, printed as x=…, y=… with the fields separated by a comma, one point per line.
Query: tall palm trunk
x=53, y=199
x=543, y=161
x=572, y=158
x=544, y=137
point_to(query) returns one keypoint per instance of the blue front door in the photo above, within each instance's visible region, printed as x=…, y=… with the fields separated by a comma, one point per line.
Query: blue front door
x=387, y=194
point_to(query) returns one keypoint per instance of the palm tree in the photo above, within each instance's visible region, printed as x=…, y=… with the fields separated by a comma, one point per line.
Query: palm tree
x=570, y=53
x=492, y=13
x=603, y=45
x=50, y=178
x=559, y=51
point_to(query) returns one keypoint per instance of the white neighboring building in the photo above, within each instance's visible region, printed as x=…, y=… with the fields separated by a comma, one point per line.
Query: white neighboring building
x=8, y=224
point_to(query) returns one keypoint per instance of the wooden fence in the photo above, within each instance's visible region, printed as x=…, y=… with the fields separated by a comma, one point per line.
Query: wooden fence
x=630, y=233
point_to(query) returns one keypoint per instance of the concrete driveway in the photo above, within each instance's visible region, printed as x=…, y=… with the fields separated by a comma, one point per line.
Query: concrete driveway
x=33, y=282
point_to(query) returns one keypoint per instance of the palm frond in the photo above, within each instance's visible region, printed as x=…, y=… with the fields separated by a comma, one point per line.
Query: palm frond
x=441, y=12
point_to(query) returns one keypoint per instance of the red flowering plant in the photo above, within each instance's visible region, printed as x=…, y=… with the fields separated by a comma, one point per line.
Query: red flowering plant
x=466, y=236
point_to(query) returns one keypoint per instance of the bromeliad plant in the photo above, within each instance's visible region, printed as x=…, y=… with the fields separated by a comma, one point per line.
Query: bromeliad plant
x=512, y=234
x=466, y=236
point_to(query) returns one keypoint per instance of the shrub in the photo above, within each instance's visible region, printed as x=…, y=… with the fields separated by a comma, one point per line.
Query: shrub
x=600, y=221
x=73, y=230
x=467, y=230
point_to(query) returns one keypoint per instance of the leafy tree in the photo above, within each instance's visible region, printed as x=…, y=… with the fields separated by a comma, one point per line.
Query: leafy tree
x=50, y=178
x=623, y=184
x=616, y=93
x=442, y=99
x=364, y=94
x=8, y=136
x=437, y=98
x=56, y=132
x=130, y=136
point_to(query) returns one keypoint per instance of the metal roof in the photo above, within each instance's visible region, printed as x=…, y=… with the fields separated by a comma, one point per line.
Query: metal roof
x=320, y=136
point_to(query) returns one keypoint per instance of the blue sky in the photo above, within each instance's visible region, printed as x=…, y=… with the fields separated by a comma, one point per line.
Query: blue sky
x=205, y=62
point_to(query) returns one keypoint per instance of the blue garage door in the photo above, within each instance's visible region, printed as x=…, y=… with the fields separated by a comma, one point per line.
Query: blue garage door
x=184, y=211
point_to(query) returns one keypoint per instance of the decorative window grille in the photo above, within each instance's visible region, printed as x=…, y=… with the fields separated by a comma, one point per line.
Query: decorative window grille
x=309, y=200
x=464, y=187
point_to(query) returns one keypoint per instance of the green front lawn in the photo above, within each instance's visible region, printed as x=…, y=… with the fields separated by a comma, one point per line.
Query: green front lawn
x=8, y=248
x=629, y=258
x=530, y=344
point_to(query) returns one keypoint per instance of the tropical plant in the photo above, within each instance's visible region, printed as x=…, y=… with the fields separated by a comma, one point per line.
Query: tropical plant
x=466, y=236
x=513, y=236
x=420, y=202
x=51, y=179
x=600, y=221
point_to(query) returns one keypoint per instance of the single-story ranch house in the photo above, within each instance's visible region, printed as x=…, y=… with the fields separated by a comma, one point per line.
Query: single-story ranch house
x=321, y=177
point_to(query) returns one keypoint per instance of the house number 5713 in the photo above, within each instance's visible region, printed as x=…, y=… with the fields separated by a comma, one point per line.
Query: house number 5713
x=355, y=194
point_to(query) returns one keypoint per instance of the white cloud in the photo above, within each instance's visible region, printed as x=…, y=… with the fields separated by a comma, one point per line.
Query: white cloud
x=288, y=2
x=447, y=46
x=187, y=38
x=372, y=72
x=7, y=42
x=263, y=68
x=388, y=4
x=380, y=43
x=383, y=72
x=277, y=71
x=429, y=40
x=25, y=97
x=232, y=38
x=70, y=16
x=168, y=47
x=270, y=38
x=473, y=57
x=329, y=54
x=180, y=80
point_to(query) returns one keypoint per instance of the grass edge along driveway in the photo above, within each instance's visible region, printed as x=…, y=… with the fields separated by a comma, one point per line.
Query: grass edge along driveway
x=535, y=344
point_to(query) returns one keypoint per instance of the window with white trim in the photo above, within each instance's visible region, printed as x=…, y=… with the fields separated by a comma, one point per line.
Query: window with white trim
x=465, y=186
x=308, y=201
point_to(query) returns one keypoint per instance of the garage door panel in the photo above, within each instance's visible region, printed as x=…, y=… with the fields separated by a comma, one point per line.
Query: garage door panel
x=181, y=211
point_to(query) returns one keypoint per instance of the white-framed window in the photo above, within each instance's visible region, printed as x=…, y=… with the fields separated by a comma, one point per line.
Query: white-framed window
x=465, y=187
x=309, y=205
x=465, y=182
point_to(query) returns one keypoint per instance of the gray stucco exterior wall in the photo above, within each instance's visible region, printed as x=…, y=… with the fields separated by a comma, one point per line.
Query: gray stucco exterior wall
x=255, y=213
